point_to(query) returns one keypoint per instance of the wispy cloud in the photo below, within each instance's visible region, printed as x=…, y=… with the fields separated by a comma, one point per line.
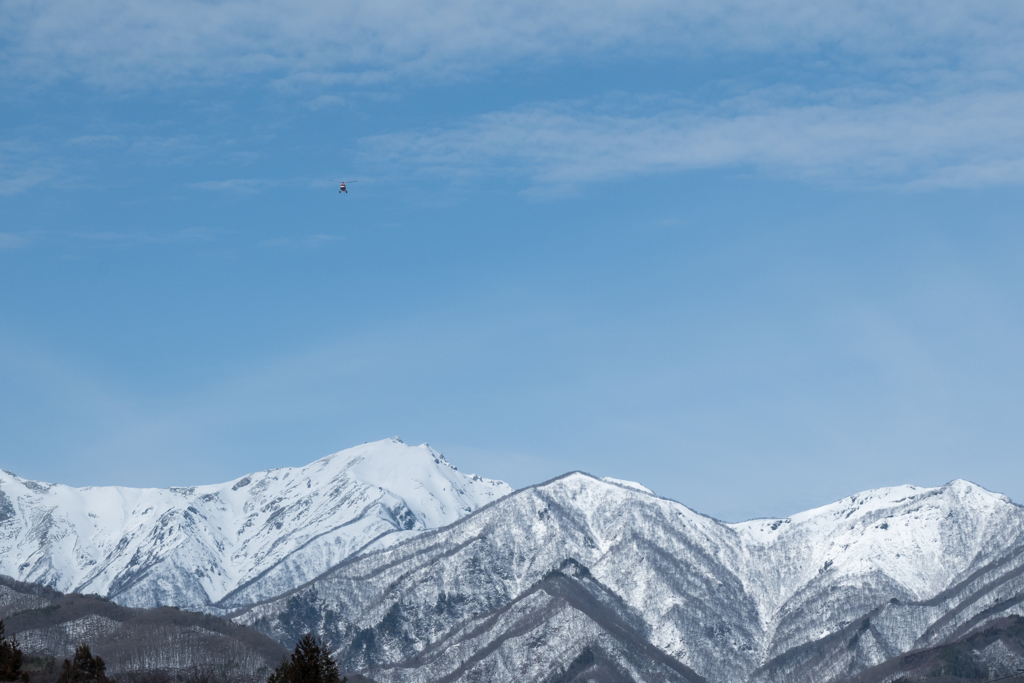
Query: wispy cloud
x=125, y=43
x=12, y=241
x=306, y=242
x=936, y=101
x=176, y=149
x=245, y=185
x=93, y=141
x=23, y=180
x=39, y=157
x=324, y=101
x=946, y=139
x=23, y=165
x=72, y=242
x=143, y=236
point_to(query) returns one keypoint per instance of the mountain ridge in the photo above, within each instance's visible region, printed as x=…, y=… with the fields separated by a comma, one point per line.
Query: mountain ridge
x=727, y=609
x=253, y=536
x=413, y=572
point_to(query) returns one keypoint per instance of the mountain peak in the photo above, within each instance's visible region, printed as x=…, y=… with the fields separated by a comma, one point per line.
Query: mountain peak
x=963, y=487
x=811, y=597
x=243, y=540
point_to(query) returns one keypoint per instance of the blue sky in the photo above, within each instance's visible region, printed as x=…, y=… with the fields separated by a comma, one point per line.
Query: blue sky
x=757, y=256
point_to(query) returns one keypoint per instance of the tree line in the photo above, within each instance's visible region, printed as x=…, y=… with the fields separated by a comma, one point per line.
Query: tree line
x=309, y=663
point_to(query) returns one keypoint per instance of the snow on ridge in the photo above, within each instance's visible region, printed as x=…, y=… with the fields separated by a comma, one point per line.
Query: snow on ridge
x=921, y=539
x=254, y=537
x=628, y=484
x=882, y=557
x=198, y=544
x=866, y=503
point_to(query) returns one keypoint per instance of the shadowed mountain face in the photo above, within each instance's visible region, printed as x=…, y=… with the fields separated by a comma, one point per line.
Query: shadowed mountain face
x=993, y=651
x=587, y=579
x=224, y=546
x=51, y=624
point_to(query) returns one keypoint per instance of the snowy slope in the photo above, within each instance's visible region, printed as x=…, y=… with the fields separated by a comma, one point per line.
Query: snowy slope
x=815, y=597
x=378, y=550
x=226, y=545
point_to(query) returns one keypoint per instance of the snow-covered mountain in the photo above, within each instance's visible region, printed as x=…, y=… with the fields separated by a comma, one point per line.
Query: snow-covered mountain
x=416, y=573
x=223, y=546
x=588, y=579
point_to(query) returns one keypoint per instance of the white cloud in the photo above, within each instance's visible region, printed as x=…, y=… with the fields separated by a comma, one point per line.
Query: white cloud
x=314, y=241
x=23, y=166
x=144, y=237
x=144, y=42
x=942, y=112
x=23, y=180
x=324, y=101
x=33, y=159
x=70, y=240
x=93, y=141
x=11, y=241
x=245, y=185
x=948, y=139
x=177, y=149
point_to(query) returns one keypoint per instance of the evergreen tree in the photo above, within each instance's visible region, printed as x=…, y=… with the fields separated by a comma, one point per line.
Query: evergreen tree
x=310, y=663
x=10, y=658
x=84, y=668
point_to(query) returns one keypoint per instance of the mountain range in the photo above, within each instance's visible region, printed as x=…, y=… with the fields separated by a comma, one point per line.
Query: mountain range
x=623, y=585
x=413, y=572
x=214, y=548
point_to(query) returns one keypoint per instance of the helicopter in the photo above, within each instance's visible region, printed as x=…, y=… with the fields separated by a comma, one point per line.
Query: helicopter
x=344, y=187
